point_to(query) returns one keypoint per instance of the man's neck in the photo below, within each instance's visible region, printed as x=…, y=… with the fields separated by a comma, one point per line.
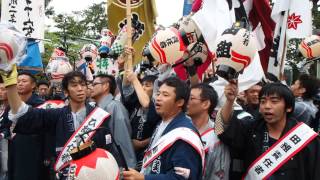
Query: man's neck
x=25, y=97
x=100, y=97
x=171, y=116
x=76, y=106
x=275, y=129
x=200, y=121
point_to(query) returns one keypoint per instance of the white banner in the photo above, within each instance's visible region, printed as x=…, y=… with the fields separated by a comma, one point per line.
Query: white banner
x=92, y=122
x=27, y=15
x=209, y=138
x=166, y=141
x=277, y=155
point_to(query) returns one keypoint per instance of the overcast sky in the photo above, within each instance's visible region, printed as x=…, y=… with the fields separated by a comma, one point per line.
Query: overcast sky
x=169, y=11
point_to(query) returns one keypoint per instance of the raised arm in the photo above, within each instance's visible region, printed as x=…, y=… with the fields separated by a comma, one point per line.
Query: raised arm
x=231, y=92
x=10, y=82
x=225, y=113
x=143, y=97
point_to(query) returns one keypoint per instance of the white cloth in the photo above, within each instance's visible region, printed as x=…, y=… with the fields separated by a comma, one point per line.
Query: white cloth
x=162, y=126
x=78, y=117
x=23, y=109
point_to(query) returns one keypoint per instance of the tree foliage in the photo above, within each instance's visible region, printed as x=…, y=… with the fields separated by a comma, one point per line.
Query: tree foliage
x=73, y=31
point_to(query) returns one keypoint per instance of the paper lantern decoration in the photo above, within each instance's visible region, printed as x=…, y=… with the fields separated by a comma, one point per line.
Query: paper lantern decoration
x=235, y=50
x=83, y=66
x=57, y=68
x=12, y=47
x=107, y=38
x=167, y=46
x=310, y=47
x=89, y=52
x=59, y=53
x=199, y=52
x=189, y=31
x=93, y=163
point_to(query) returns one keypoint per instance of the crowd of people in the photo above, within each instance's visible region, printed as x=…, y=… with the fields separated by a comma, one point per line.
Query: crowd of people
x=167, y=128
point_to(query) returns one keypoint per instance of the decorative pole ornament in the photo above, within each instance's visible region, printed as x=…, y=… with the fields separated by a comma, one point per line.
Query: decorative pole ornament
x=167, y=46
x=12, y=47
x=89, y=52
x=310, y=47
x=235, y=50
x=89, y=162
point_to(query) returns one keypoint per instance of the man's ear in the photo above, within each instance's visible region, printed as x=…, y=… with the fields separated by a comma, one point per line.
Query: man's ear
x=289, y=110
x=180, y=102
x=66, y=93
x=106, y=86
x=206, y=104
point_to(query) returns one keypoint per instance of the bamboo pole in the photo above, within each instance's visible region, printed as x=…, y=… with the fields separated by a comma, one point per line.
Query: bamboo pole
x=128, y=63
x=284, y=52
x=283, y=57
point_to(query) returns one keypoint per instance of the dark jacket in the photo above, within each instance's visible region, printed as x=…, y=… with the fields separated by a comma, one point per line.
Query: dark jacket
x=143, y=120
x=26, y=152
x=245, y=140
x=60, y=123
x=180, y=154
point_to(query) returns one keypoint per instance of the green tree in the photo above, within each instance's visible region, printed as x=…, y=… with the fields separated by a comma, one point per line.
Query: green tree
x=94, y=19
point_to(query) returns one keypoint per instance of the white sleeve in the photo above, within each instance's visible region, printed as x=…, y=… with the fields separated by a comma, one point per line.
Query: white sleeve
x=23, y=109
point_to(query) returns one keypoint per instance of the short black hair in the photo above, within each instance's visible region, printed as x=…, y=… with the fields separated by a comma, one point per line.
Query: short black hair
x=282, y=91
x=33, y=79
x=70, y=76
x=182, y=89
x=149, y=78
x=271, y=77
x=207, y=93
x=111, y=80
x=43, y=82
x=310, y=83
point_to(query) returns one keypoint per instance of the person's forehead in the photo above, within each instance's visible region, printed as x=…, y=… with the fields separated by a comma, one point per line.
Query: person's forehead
x=24, y=76
x=77, y=80
x=1, y=85
x=255, y=87
x=270, y=96
x=166, y=88
x=43, y=86
x=96, y=78
x=195, y=91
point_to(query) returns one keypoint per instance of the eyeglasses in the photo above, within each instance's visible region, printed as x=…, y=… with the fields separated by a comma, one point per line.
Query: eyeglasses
x=96, y=83
x=193, y=98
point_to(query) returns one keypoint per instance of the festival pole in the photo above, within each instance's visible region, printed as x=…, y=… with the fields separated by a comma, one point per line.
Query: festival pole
x=128, y=65
x=283, y=57
x=284, y=51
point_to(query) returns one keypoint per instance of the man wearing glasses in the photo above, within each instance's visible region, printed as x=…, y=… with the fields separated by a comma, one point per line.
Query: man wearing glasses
x=104, y=87
x=202, y=101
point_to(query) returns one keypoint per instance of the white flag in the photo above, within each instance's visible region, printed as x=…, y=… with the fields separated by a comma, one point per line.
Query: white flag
x=299, y=22
x=212, y=19
x=293, y=20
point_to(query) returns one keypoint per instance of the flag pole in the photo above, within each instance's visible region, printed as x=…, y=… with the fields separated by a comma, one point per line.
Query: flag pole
x=128, y=65
x=284, y=51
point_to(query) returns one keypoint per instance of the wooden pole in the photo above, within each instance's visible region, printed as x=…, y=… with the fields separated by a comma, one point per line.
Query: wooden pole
x=128, y=63
x=281, y=74
x=284, y=52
